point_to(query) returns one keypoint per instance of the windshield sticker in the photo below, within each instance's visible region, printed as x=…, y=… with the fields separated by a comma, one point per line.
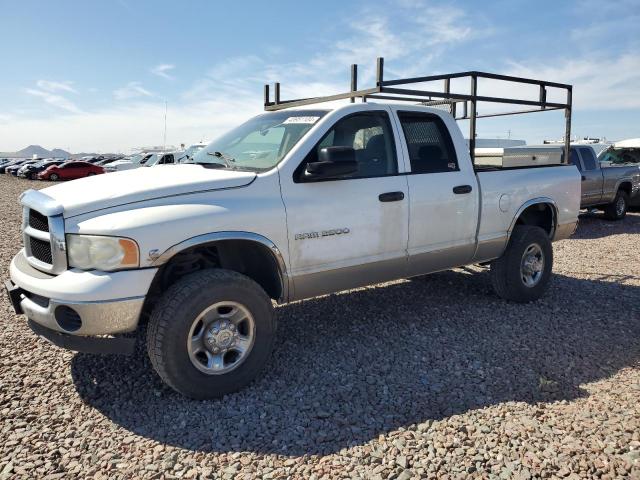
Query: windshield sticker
x=300, y=120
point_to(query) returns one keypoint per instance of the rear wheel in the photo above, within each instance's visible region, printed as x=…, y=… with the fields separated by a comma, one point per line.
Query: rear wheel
x=211, y=333
x=617, y=209
x=522, y=273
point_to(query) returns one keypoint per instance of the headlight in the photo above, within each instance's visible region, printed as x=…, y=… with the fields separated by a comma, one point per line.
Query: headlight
x=89, y=252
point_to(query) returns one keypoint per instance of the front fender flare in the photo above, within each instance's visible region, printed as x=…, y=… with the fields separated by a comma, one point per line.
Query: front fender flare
x=160, y=259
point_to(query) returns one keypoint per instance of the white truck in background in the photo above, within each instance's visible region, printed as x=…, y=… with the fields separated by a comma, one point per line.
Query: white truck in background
x=294, y=203
x=128, y=163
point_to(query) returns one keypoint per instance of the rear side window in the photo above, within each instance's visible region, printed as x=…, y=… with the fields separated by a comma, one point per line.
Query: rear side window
x=573, y=159
x=429, y=143
x=588, y=158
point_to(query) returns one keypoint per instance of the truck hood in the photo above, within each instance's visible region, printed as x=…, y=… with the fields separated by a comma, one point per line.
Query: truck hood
x=112, y=189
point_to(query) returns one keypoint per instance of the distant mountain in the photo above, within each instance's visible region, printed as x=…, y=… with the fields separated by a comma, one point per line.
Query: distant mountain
x=58, y=152
x=42, y=152
x=32, y=150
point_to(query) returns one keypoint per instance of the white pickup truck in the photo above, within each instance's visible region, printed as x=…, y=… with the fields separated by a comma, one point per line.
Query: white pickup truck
x=289, y=205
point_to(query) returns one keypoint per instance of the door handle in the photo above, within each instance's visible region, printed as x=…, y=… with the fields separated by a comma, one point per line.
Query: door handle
x=391, y=196
x=462, y=189
x=583, y=178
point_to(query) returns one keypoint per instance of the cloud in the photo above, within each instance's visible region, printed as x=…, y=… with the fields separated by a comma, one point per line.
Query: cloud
x=131, y=90
x=49, y=86
x=55, y=100
x=162, y=70
x=600, y=81
x=415, y=37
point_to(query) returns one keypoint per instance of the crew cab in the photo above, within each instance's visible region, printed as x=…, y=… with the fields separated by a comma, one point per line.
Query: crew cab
x=70, y=171
x=292, y=204
x=610, y=188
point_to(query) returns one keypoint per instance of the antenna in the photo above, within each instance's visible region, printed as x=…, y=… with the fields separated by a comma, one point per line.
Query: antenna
x=164, y=140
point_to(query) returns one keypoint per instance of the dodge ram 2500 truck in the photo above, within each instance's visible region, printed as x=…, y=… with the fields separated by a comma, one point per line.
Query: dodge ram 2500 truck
x=292, y=204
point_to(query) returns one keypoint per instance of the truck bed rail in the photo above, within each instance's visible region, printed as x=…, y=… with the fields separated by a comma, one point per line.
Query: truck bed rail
x=390, y=90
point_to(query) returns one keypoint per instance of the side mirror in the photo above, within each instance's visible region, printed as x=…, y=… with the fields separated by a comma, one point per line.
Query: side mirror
x=332, y=162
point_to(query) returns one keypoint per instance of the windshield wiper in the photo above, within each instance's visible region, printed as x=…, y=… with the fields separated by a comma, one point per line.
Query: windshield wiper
x=228, y=161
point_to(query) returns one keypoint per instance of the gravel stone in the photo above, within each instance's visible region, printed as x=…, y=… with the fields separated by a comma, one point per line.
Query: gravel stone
x=433, y=377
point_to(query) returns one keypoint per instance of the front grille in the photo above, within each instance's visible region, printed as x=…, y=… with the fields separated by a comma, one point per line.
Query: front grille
x=41, y=250
x=38, y=221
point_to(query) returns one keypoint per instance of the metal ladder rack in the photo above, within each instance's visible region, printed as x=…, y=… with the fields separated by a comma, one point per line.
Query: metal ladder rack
x=391, y=90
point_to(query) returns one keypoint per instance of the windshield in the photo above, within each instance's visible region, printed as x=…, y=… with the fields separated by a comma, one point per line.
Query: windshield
x=152, y=160
x=260, y=143
x=621, y=155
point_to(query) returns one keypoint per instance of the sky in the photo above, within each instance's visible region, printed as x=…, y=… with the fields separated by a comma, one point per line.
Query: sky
x=96, y=76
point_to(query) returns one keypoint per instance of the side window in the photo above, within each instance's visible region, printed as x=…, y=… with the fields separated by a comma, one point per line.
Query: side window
x=429, y=143
x=370, y=135
x=588, y=158
x=573, y=158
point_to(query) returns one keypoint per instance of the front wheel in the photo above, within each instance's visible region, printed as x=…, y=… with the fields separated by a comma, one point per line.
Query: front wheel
x=523, y=271
x=211, y=333
x=53, y=177
x=617, y=209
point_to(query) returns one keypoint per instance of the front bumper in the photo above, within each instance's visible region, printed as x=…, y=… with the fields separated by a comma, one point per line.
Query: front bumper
x=103, y=303
x=96, y=345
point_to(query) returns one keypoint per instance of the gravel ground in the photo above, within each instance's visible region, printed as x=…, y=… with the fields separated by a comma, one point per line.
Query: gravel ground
x=434, y=377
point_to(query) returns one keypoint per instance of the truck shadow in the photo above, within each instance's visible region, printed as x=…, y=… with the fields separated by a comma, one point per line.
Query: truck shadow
x=349, y=367
x=594, y=226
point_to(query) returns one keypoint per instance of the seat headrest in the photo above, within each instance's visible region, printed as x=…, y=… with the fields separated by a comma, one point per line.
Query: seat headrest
x=376, y=142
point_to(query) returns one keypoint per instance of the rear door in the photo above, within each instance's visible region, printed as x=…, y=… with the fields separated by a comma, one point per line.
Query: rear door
x=592, y=181
x=442, y=191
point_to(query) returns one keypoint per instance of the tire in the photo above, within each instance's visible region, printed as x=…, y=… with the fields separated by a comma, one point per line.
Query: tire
x=617, y=209
x=34, y=176
x=53, y=177
x=90, y=174
x=508, y=272
x=176, y=315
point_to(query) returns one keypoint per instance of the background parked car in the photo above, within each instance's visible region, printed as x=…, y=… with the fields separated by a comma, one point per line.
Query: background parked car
x=5, y=163
x=13, y=169
x=70, y=171
x=165, y=158
x=127, y=163
x=31, y=170
x=13, y=163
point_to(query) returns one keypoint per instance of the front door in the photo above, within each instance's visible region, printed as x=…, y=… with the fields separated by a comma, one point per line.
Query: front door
x=349, y=231
x=592, y=183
